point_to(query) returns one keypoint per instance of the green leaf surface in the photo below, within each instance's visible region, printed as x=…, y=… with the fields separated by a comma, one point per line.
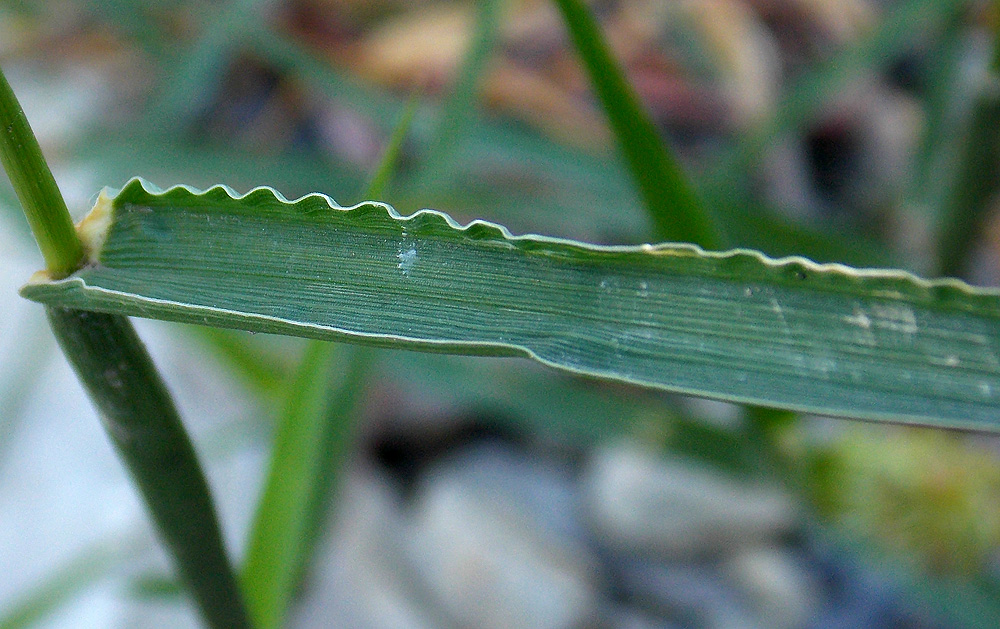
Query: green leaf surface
x=736, y=326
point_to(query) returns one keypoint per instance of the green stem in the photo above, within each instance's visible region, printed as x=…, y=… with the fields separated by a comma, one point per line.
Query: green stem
x=113, y=365
x=144, y=427
x=36, y=188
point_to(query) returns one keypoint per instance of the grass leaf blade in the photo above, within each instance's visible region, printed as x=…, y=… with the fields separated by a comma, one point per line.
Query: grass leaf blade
x=736, y=326
x=83, y=570
x=457, y=114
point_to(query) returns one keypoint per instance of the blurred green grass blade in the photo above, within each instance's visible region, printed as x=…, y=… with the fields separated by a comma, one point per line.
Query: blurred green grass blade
x=671, y=201
x=22, y=367
x=387, y=165
x=947, y=107
x=965, y=207
x=156, y=587
x=381, y=106
x=11, y=216
x=903, y=24
x=192, y=77
x=274, y=553
x=346, y=380
x=83, y=570
x=310, y=447
x=259, y=369
x=735, y=326
x=457, y=115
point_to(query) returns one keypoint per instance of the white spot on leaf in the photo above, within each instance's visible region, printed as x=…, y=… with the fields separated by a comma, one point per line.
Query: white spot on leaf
x=863, y=323
x=859, y=318
x=407, y=259
x=895, y=318
x=780, y=312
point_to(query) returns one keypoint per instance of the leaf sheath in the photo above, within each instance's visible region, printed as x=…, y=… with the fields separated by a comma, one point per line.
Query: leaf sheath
x=144, y=427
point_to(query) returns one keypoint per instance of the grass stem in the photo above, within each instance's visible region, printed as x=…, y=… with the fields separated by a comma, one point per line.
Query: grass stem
x=110, y=360
x=36, y=188
x=966, y=208
x=146, y=430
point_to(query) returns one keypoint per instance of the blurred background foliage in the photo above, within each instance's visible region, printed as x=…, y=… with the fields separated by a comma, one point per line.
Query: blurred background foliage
x=856, y=131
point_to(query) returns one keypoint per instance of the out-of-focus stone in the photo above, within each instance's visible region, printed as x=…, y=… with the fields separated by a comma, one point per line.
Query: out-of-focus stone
x=629, y=618
x=641, y=502
x=421, y=49
x=781, y=591
x=366, y=582
x=489, y=555
x=688, y=594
